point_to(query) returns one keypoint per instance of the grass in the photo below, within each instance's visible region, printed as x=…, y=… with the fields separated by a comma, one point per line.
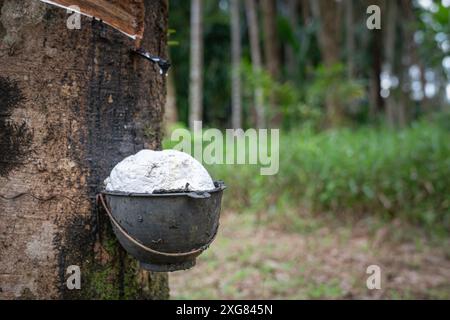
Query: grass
x=391, y=174
x=342, y=200
x=356, y=172
x=258, y=261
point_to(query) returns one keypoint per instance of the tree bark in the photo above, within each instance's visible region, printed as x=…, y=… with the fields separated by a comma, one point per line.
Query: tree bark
x=196, y=71
x=236, y=105
x=290, y=55
x=410, y=56
x=326, y=12
x=271, y=46
x=350, y=38
x=272, y=54
x=376, y=101
x=73, y=103
x=305, y=11
x=253, y=29
x=375, y=49
x=170, y=109
x=391, y=37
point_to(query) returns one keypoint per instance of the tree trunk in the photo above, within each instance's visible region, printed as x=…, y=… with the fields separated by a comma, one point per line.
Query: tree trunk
x=405, y=52
x=271, y=47
x=236, y=105
x=170, y=109
x=350, y=41
x=73, y=103
x=196, y=72
x=305, y=12
x=375, y=51
x=292, y=7
x=272, y=54
x=410, y=50
x=326, y=12
x=375, y=99
x=253, y=27
x=391, y=37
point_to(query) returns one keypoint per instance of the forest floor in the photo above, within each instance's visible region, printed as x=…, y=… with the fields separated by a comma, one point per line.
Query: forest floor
x=328, y=260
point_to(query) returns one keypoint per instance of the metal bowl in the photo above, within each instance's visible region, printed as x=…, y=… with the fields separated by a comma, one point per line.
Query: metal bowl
x=165, y=231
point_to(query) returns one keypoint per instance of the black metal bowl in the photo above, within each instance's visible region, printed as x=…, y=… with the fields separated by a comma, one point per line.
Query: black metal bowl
x=165, y=231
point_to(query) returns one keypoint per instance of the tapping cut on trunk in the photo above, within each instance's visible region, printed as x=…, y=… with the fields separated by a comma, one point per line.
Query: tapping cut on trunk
x=127, y=16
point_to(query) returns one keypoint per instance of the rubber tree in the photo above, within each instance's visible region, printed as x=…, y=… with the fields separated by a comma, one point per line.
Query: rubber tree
x=253, y=33
x=271, y=54
x=326, y=14
x=292, y=14
x=171, y=111
x=196, y=66
x=375, y=56
x=73, y=103
x=236, y=52
x=350, y=37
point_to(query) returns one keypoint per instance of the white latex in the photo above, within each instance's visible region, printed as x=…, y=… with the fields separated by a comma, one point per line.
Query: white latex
x=149, y=170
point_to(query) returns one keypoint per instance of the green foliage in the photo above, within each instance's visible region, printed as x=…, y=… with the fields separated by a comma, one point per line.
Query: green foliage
x=288, y=96
x=302, y=106
x=301, y=63
x=170, y=32
x=332, y=82
x=432, y=31
x=367, y=171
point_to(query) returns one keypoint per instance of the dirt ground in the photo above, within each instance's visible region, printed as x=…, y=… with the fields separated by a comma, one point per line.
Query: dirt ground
x=329, y=261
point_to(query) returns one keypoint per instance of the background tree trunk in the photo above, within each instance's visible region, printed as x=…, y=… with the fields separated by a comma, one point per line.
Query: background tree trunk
x=170, y=110
x=350, y=38
x=272, y=54
x=293, y=7
x=236, y=105
x=376, y=63
x=72, y=104
x=196, y=73
x=326, y=11
x=253, y=29
x=389, y=55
